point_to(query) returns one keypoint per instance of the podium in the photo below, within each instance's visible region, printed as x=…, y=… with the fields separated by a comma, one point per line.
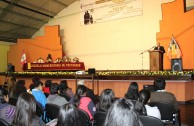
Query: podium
x=156, y=60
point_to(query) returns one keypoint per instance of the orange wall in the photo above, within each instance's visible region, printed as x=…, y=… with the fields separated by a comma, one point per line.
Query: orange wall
x=175, y=21
x=40, y=46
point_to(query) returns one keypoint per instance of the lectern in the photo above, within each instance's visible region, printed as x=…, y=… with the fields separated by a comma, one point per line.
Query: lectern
x=156, y=61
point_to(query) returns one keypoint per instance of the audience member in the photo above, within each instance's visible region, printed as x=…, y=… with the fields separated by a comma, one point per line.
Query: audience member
x=107, y=97
x=54, y=97
x=46, y=88
x=68, y=116
x=25, y=114
x=7, y=111
x=83, y=102
x=64, y=89
x=89, y=92
x=122, y=113
x=30, y=88
x=11, y=84
x=38, y=93
x=132, y=92
x=161, y=95
x=35, y=79
x=18, y=89
x=143, y=108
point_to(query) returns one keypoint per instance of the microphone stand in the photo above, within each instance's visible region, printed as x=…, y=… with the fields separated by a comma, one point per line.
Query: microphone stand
x=143, y=53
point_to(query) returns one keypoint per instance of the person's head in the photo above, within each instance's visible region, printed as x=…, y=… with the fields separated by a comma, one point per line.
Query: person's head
x=54, y=88
x=63, y=86
x=31, y=87
x=68, y=116
x=106, y=99
x=3, y=95
x=159, y=84
x=132, y=92
x=25, y=110
x=38, y=85
x=48, y=83
x=21, y=83
x=34, y=79
x=81, y=90
x=122, y=113
x=158, y=44
x=144, y=97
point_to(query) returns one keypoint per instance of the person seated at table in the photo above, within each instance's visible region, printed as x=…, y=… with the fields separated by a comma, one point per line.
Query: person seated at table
x=49, y=59
x=40, y=60
x=58, y=60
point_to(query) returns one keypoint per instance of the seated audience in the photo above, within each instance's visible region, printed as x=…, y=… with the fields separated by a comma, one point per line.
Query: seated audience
x=46, y=88
x=83, y=102
x=89, y=92
x=7, y=111
x=25, y=114
x=161, y=95
x=64, y=89
x=30, y=88
x=11, y=83
x=54, y=97
x=122, y=113
x=38, y=93
x=18, y=89
x=106, y=99
x=143, y=108
x=68, y=116
x=132, y=92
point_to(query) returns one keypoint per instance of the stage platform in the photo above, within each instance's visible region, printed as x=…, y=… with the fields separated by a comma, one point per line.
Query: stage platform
x=180, y=85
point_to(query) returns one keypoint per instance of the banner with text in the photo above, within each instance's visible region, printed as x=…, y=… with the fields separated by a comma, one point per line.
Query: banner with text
x=94, y=11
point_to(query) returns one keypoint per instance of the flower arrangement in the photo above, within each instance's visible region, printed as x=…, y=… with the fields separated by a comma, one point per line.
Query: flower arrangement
x=111, y=73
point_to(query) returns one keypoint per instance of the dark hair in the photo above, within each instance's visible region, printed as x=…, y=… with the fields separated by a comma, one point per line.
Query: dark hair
x=160, y=84
x=34, y=79
x=25, y=110
x=48, y=83
x=81, y=89
x=3, y=92
x=54, y=88
x=37, y=84
x=106, y=99
x=122, y=113
x=132, y=92
x=63, y=86
x=18, y=89
x=31, y=87
x=68, y=116
x=144, y=96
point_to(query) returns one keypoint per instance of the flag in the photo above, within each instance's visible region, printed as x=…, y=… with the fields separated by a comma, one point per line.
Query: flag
x=23, y=59
x=174, y=51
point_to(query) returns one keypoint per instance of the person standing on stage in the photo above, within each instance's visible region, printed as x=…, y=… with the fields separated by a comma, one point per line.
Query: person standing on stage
x=162, y=50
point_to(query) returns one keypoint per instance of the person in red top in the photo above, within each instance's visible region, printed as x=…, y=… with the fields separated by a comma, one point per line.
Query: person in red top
x=46, y=88
x=83, y=102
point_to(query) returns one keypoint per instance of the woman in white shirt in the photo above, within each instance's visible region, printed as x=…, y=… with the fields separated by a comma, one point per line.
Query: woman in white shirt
x=143, y=108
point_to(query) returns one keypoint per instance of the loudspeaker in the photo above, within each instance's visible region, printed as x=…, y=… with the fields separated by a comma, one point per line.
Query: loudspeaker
x=176, y=64
x=91, y=71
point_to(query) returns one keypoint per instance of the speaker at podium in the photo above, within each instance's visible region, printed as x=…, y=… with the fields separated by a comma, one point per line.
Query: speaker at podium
x=176, y=64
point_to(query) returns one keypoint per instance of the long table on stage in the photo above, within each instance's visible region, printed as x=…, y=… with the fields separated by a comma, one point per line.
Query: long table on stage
x=64, y=66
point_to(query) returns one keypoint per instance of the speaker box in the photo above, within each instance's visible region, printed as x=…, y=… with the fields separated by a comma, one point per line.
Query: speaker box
x=176, y=64
x=91, y=71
